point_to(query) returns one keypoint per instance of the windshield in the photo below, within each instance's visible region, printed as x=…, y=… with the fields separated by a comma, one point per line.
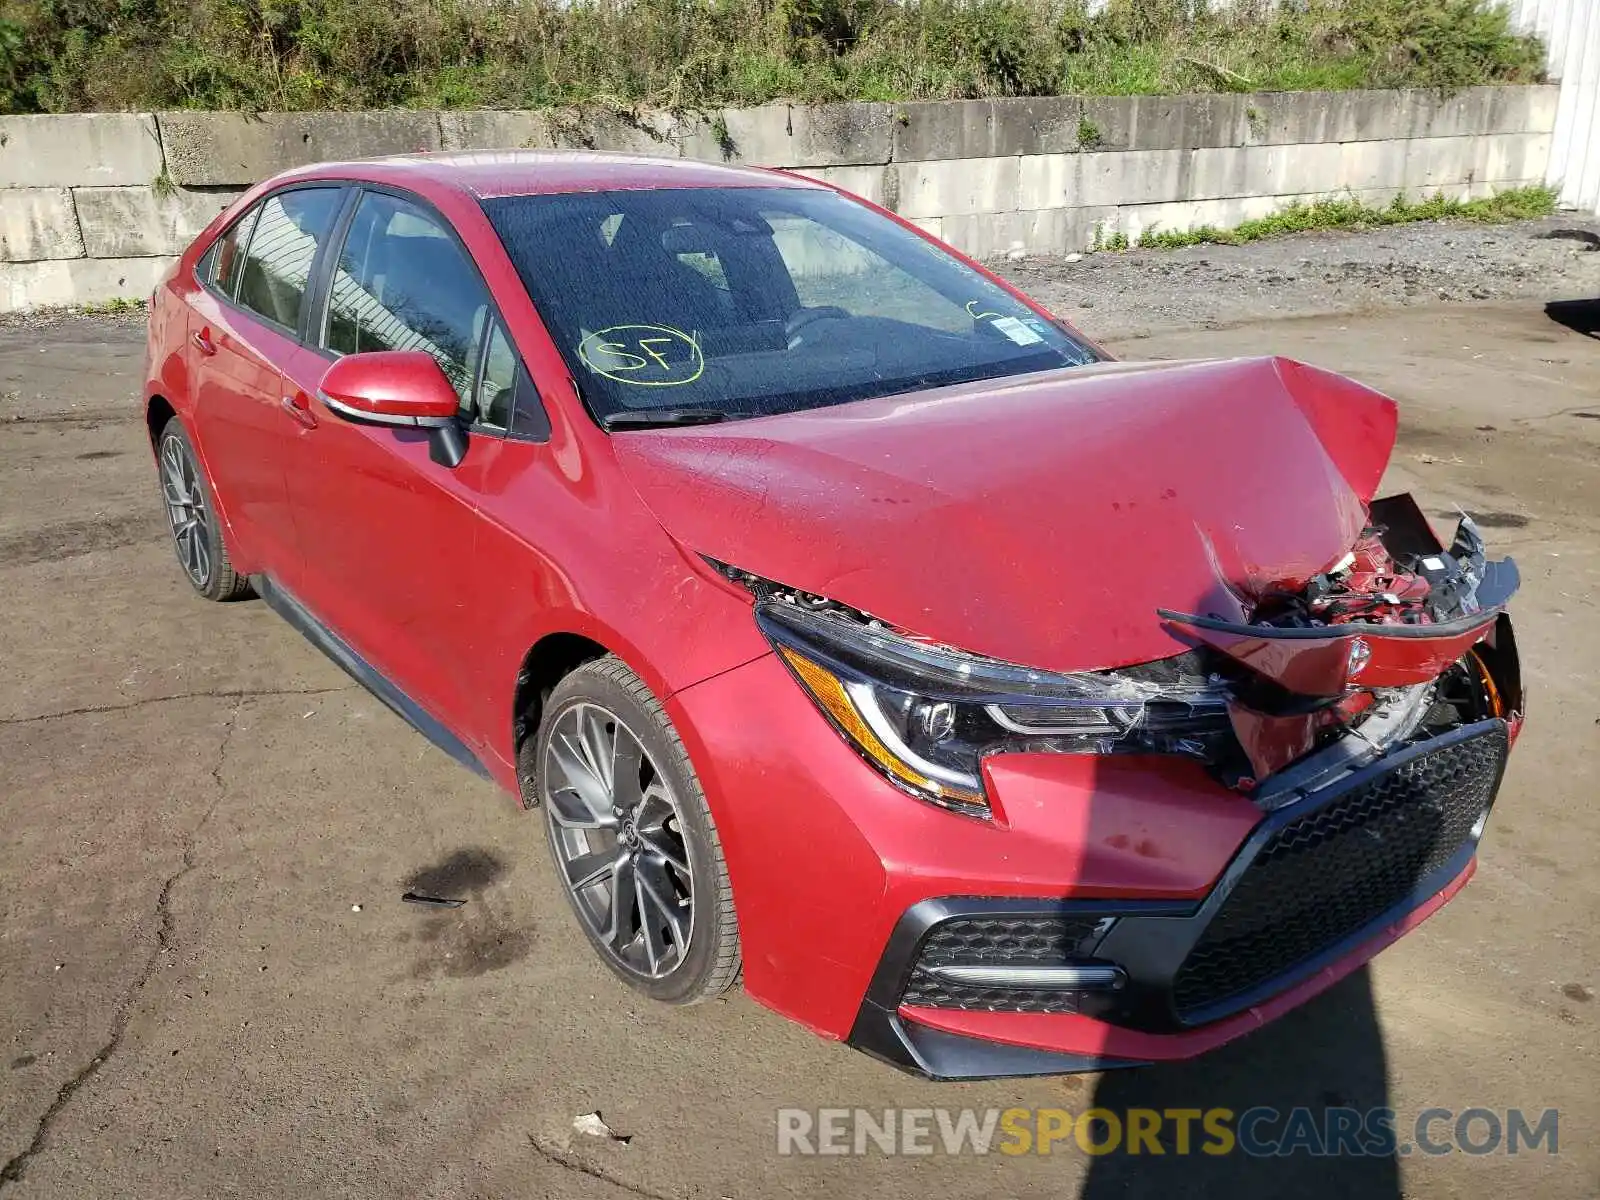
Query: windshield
x=708, y=303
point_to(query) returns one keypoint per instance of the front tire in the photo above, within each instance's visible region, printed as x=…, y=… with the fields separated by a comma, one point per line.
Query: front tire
x=634, y=843
x=192, y=518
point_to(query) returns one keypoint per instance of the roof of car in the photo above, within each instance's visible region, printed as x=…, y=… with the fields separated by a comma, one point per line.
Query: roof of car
x=486, y=173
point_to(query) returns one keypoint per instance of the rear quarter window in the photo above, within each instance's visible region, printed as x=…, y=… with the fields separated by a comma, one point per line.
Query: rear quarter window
x=225, y=260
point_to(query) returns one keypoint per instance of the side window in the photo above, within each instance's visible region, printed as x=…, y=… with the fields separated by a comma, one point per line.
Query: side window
x=506, y=396
x=403, y=283
x=277, y=265
x=499, y=384
x=225, y=259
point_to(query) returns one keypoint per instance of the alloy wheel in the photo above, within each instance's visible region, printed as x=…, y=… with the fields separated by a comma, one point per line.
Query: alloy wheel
x=617, y=829
x=186, y=510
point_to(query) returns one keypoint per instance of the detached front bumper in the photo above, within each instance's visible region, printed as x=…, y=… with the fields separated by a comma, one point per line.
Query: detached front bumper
x=855, y=900
x=1318, y=889
x=954, y=1044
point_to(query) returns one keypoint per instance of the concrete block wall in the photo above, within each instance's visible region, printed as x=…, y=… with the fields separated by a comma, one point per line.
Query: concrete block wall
x=93, y=207
x=88, y=211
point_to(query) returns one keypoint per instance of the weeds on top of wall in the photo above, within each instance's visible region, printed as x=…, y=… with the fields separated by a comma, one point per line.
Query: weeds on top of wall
x=73, y=55
x=1342, y=212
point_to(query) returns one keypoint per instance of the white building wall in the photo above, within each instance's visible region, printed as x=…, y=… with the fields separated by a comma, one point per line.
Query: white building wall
x=1571, y=30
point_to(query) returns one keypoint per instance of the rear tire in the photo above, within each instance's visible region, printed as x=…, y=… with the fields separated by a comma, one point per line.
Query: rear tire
x=197, y=537
x=635, y=847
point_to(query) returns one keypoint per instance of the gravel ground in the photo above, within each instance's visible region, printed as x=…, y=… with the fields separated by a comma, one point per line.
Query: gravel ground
x=1137, y=292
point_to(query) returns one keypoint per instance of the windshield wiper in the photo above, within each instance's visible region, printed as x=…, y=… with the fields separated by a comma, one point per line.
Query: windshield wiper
x=655, y=418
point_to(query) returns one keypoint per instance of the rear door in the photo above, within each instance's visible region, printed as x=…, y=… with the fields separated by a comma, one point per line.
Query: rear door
x=390, y=539
x=244, y=328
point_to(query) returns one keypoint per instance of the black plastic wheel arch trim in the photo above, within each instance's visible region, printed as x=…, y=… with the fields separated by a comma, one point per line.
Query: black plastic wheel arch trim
x=309, y=626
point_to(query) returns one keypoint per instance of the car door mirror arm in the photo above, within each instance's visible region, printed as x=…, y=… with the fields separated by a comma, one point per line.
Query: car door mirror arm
x=447, y=444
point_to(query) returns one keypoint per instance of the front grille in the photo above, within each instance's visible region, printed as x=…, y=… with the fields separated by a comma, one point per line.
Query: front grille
x=1015, y=941
x=1328, y=874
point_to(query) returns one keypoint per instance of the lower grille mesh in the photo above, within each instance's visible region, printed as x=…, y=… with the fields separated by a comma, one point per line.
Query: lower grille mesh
x=1014, y=941
x=1328, y=874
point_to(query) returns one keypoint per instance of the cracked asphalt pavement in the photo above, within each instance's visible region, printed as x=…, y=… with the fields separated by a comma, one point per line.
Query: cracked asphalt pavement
x=209, y=984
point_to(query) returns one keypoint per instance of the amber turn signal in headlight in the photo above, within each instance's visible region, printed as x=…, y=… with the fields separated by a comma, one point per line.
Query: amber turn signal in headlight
x=857, y=715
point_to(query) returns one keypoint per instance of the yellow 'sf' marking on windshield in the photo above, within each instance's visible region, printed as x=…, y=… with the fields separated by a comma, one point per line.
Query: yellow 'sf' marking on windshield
x=643, y=355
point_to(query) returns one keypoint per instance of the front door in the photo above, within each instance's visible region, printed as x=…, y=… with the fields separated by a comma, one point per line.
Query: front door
x=388, y=536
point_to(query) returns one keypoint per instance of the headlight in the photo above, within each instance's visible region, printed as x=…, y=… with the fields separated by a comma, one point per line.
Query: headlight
x=926, y=715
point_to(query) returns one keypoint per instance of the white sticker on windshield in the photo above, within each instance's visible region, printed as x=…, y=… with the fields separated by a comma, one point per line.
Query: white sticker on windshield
x=1017, y=331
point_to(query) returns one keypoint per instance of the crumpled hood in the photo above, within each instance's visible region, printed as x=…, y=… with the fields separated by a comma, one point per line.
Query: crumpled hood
x=1041, y=520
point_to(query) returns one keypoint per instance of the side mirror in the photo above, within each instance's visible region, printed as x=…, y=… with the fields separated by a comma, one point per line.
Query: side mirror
x=402, y=388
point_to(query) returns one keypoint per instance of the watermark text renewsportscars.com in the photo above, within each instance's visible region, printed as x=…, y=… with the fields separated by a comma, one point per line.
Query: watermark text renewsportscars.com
x=1258, y=1132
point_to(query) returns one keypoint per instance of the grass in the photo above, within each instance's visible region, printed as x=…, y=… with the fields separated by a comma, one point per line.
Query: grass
x=117, y=306
x=1515, y=204
x=625, y=55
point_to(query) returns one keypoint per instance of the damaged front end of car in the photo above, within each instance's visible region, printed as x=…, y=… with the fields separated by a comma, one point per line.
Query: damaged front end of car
x=1367, y=712
x=1401, y=639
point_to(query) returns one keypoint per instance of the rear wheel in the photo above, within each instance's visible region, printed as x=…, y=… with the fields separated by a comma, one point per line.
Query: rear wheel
x=633, y=840
x=197, y=535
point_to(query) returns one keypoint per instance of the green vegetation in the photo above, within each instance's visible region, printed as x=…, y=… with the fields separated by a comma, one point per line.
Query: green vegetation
x=118, y=306
x=1516, y=204
x=72, y=55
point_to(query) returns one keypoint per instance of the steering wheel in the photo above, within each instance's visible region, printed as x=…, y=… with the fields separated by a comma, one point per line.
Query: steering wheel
x=801, y=317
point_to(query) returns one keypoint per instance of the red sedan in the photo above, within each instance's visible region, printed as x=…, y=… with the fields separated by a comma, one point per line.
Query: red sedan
x=858, y=628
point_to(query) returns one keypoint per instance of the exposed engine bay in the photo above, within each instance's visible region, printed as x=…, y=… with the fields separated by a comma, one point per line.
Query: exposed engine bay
x=1398, y=640
x=1396, y=574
